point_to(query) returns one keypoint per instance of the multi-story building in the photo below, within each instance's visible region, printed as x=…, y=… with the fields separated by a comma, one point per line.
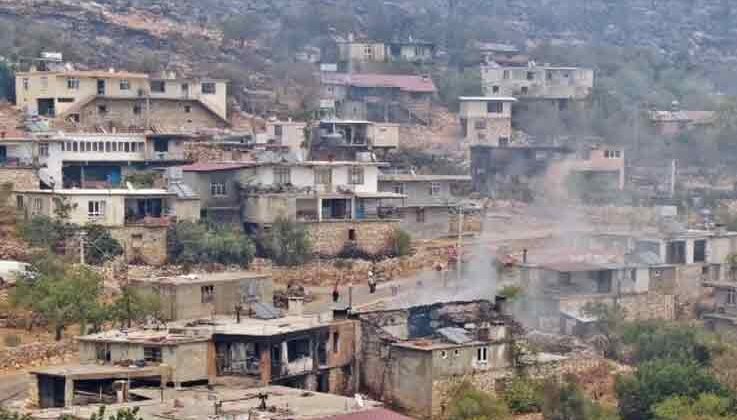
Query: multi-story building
x=338, y=202
x=558, y=85
x=487, y=120
x=431, y=205
x=378, y=97
x=122, y=101
x=137, y=218
x=353, y=140
x=360, y=54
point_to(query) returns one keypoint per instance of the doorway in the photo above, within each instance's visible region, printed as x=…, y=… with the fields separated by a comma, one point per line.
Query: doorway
x=100, y=87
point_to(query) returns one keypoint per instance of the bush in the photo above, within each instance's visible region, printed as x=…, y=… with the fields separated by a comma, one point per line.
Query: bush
x=401, y=243
x=658, y=340
x=101, y=246
x=287, y=243
x=194, y=243
x=566, y=401
x=11, y=340
x=43, y=231
x=524, y=396
x=468, y=403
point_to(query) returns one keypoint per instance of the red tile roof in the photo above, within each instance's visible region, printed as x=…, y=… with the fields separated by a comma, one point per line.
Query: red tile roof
x=373, y=414
x=214, y=166
x=407, y=83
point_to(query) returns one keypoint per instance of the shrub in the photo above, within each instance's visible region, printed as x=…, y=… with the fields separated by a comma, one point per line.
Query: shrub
x=524, y=396
x=193, y=243
x=43, y=231
x=401, y=243
x=287, y=243
x=468, y=403
x=101, y=246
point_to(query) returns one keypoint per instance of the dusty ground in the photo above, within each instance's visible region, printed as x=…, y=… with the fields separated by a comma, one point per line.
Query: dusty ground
x=8, y=337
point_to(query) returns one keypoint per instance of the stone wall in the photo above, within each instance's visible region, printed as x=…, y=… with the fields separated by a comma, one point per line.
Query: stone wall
x=559, y=368
x=36, y=354
x=442, y=389
x=329, y=238
x=143, y=243
x=637, y=306
x=472, y=223
x=23, y=178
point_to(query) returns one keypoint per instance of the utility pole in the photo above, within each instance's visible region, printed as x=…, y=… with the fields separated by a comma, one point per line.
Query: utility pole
x=459, y=254
x=82, y=243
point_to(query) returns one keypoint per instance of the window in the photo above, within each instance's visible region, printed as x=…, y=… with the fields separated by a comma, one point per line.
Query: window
x=420, y=216
x=398, y=189
x=505, y=75
x=456, y=353
x=43, y=150
x=95, y=209
x=699, y=251
x=75, y=146
x=218, y=189
x=336, y=342
x=65, y=100
x=482, y=354
x=108, y=147
x=37, y=205
x=443, y=354
x=530, y=75
x=126, y=147
x=102, y=109
x=732, y=297
x=187, y=109
x=323, y=176
x=94, y=147
x=102, y=352
x=494, y=107
x=136, y=109
x=207, y=293
x=435, y=188
x=26, y=84
x=503, y=141
x=282, y=176
x=355, y=176
x=208, y=88
x=351, y=234
x=115, y=146
x=73, y=84
x=19, y=202
x=278, y=130
x=525, y=90
x=152, y=354
x=125, y=85
x=479, y=125
x=158, y=86
x=495, y=89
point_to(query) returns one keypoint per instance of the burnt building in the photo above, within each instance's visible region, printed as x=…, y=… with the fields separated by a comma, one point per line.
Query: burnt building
x=511, y=172
x=412, y=358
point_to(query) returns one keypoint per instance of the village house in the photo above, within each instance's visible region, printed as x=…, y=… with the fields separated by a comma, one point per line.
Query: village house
x=557, y=292
x=338, y=202
x=24, y=157
x=138, y=218
x=413, y=358
x=93, y=100
x=290, y=134
x=203, y=295
x=353, y=140
x=494, y=53
x=669, y=123
x=486, y=120
x=559, y=86
x=430, y=207
x=512, y=171
x=355, y=54
x=595, y=173
x=379, y=97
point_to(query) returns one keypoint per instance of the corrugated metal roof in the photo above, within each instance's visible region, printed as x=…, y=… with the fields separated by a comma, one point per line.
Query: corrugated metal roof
x=408, y=83
x=455, y=335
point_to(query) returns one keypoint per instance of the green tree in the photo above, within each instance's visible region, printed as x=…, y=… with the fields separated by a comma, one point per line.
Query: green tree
x=62, y=294
x=401, y=243
x=566, y=401
x=193, y=243
x=704, y=407
x=122, y=414
x=524, y=395
x=43, y=231
x=468, y=403
x=133, y=306
x=651, y=340
x=659, y=380
x=287, y=243
x=101, y=246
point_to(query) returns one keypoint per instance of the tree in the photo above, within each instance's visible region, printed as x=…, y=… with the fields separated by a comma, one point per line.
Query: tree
x=287, y=243
x=43, y=231
x=101, y=246
x=122, y=414
x=651, y=340
x=134, y=306
x=610, y=323
x=194, y=243
x=62, y=294
x=524, y=395
x=704, y=407
x=659, y=380
x=401, y=243
x=8, y=415
x=468, y=403
x=566, y=401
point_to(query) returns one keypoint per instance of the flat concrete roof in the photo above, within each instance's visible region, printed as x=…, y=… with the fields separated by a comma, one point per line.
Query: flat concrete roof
x=162, y=337
x=95, y=371
x=101, y=191
x=227, y=325
x=423, y=178
x=487, y=99
x=222, y=277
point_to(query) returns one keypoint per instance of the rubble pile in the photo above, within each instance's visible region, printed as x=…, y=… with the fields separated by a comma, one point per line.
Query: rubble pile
x=37, y=354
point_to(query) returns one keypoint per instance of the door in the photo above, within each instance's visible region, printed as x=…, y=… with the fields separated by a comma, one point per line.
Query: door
x=100, y=87
x=3, y=153
x=185, y=90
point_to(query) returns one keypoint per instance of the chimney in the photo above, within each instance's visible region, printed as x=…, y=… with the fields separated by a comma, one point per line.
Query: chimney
x=500, y=305
x=294, y=305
